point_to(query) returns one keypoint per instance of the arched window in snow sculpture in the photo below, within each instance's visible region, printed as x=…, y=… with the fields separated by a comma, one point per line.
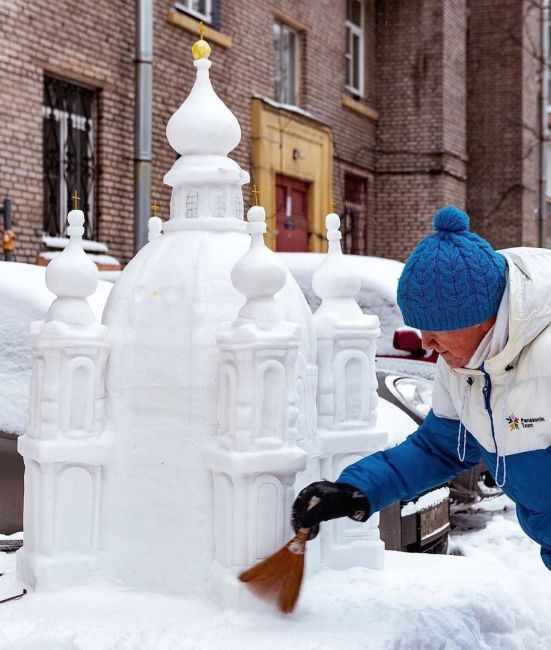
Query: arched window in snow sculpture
x=269, y=517
x=37, y=379
x=79, y=416
x=192, y=204
x=351, y=394
x=237, y=201
x=226, y=404
x=271, y=395
x=219, y=206
x=74, y=515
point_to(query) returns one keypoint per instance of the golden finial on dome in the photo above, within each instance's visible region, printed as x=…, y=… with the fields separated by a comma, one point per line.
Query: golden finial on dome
x=201, y=49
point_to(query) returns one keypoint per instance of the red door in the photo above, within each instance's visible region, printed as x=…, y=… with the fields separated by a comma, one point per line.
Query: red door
x=291, y=214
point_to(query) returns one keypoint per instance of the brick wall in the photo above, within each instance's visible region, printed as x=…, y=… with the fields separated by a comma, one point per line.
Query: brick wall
x=89, y=41
x=421, y=136
x=443, y=88
x=502, y=195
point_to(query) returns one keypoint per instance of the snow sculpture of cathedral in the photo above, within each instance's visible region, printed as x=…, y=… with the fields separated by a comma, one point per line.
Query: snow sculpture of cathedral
x=165, y=446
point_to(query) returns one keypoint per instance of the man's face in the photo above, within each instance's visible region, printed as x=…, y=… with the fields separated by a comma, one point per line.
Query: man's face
x=457, y=346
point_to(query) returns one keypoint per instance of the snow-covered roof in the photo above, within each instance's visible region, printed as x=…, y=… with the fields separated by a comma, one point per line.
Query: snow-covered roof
x=24, y=298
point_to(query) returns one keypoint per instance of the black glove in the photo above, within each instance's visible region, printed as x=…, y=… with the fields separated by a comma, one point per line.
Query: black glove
x=334, y=500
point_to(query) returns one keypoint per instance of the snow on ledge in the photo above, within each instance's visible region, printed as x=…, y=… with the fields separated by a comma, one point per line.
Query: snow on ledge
x=426, y=501
x=62, y=242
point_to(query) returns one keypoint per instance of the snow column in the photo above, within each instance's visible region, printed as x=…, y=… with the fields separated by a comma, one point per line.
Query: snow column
x=66, y=445
x=255, y=459
x=347, y=398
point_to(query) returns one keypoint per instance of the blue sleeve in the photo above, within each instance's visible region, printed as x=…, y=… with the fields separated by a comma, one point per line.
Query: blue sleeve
x=424, y=460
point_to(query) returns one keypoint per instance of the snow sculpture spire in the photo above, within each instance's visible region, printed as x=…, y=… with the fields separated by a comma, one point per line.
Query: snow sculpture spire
x=66, y=445
x=255, y=459
x=334, y=281
x=72, y=277
x=258, y=275
x=347, y=395
x=206, y=183
x=154, y=228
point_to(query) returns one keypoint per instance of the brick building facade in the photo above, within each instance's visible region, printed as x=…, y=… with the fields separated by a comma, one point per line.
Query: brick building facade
x=446, y=111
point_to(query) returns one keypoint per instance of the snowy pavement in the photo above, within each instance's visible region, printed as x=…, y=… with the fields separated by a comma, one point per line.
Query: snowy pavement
x=496, y=595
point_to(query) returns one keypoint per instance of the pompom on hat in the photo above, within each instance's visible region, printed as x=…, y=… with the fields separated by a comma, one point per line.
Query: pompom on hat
x=453, y=279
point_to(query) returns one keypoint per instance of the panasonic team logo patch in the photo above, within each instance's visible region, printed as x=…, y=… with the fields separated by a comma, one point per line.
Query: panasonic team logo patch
x=515, y=422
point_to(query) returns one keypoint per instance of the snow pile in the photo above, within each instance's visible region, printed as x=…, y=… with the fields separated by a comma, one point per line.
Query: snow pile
x=497, y=596
x=377, y=295
x=24, y=296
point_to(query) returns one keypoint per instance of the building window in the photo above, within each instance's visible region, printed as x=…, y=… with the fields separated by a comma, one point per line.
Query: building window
x=201, y=9
x=355, y=46
x=68, y=154
x=355, y=215
x=286, y=63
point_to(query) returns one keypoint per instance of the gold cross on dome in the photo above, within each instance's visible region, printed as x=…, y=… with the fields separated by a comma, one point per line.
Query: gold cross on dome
x=255, y=192
x=76, y=199
x=154, y=207
x=201, y=30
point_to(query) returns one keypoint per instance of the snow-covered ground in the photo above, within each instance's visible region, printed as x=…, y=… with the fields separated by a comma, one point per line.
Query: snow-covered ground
x=496, y=595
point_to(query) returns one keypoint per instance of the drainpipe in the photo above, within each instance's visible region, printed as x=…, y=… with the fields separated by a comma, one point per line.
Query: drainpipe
x=544, y=127
x=143, y=117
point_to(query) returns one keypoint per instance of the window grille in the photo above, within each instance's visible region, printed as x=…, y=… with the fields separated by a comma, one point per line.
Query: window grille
x=355, y=215
x=69, y=115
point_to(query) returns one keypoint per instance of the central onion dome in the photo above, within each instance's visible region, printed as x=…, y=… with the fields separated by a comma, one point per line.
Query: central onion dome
x=163, y=314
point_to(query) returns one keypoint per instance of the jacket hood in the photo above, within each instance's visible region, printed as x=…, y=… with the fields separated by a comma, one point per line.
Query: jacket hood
x=529, y=289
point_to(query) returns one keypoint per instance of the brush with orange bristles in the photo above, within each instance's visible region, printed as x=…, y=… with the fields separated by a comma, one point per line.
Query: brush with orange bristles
x=278, y=578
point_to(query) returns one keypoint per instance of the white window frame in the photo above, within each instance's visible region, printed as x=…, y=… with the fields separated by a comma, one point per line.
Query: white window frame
x=284, y=27
x=187, y=7
x=356, y=30
x=79, y=122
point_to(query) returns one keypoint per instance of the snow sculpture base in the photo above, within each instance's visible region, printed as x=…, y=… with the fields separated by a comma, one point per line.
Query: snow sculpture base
x=43, y=573
x=346, y=543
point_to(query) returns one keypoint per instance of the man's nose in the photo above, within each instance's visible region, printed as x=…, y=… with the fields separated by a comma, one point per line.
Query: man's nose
x=427, y=340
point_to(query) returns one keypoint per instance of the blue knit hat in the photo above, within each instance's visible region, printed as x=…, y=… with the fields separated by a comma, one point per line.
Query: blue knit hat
x=452, y=279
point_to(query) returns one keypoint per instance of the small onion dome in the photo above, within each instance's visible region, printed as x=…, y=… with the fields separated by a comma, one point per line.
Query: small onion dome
x=258, y=275
x=72, y=277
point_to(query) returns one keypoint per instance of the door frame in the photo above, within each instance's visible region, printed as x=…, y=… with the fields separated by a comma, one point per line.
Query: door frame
x=295, y=145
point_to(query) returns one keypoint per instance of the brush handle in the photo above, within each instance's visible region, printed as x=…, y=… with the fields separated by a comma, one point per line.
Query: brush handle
x=313, y=502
